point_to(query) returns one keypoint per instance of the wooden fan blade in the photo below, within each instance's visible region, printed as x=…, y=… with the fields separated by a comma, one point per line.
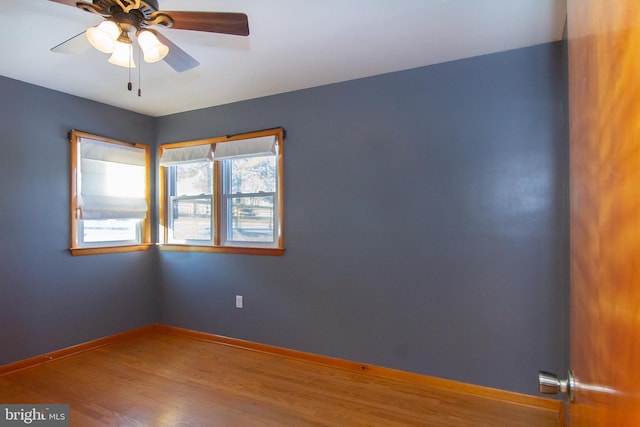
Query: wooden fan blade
x=177, y=58
x=214, y=22
x=75, y=45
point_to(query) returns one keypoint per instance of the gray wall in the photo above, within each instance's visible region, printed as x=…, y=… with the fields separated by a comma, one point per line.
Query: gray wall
x=425, y=223
x=49, y=299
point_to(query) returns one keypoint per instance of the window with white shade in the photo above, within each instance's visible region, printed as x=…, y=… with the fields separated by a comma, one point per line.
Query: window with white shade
x=223, y=194
x=110, y=195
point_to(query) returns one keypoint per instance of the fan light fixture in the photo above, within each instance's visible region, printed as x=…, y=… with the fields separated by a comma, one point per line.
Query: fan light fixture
x=123, y=52
x=103, y=37
x=152, y=48
x=109, y=37
x=126, y=23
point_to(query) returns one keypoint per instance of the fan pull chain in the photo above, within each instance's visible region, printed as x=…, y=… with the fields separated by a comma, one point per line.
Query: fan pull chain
x=129, y=85
x=139, y=72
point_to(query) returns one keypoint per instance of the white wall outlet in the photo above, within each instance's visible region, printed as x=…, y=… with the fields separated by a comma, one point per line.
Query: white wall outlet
x=239, y=301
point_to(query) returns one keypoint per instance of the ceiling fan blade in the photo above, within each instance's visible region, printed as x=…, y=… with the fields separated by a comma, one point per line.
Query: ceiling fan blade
x=214, y=22
x=177, y=58
x=75, y=45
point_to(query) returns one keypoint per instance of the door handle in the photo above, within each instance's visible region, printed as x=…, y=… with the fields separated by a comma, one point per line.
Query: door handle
x=548, y=383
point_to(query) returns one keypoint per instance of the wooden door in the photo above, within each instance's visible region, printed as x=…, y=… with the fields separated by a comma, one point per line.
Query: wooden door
x=604, y=98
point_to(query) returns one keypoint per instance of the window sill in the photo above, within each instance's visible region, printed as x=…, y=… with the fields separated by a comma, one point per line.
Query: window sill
x=223, y=249
x=109, y=249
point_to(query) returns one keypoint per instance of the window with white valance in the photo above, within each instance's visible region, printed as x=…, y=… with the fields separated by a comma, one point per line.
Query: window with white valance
x=110, y=200
x=223, y=194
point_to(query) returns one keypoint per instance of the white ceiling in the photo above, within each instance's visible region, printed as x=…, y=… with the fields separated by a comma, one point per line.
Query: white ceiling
x=294, y=44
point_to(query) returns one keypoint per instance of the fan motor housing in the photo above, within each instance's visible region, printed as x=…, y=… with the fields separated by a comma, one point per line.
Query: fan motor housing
x=142, y=8
x=129, y=14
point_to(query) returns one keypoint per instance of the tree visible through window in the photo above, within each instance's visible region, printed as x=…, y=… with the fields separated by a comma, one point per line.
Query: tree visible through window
x=249, y=199
x=191, y=197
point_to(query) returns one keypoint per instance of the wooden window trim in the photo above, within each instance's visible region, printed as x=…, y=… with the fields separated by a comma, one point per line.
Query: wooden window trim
x=222, y=249
x=163, y=218
x=75, y=249
x=110, y=249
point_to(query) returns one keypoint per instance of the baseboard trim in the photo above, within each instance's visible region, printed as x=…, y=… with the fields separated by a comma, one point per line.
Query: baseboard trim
x=73, y=350
x=460, y=387
x=378, y=371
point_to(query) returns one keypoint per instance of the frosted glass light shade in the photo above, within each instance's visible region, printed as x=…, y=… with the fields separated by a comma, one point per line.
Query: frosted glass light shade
x=104, y=36
x=155, y=54
x=152, y=48
x=122, y=55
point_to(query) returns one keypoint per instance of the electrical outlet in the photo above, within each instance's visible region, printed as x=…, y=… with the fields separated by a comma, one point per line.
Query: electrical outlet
x=239, y=301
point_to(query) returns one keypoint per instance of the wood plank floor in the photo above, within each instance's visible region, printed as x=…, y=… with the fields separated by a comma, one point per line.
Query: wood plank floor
x=167, y=380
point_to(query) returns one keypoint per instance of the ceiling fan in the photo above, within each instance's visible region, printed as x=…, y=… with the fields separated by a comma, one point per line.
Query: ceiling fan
x=125, y=17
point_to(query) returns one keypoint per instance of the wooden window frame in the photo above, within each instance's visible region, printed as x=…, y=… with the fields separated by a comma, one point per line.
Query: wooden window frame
x=74, y=138
x=217, y=247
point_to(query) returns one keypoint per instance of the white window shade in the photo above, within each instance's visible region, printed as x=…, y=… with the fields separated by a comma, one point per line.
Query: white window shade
x=262, y=146
x=185, y=155
x=109, y=152
x=112, y=181
x=112, y=207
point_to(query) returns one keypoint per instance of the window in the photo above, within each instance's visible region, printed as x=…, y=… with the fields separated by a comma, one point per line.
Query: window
x=109, y=195
x=223, y=194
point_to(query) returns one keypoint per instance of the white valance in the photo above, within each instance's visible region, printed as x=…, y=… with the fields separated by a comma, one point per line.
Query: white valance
x=184, y=155
x=110, y=152
x=262, y=146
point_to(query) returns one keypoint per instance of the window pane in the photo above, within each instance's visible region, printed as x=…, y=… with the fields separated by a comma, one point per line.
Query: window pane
x=253, y=174
x=194, y=179
x=110, y=230
x=191, y=218
x=191, y=201
x=251, y=219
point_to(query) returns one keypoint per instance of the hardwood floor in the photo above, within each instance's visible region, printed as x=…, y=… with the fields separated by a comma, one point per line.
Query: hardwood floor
x=163, y=379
